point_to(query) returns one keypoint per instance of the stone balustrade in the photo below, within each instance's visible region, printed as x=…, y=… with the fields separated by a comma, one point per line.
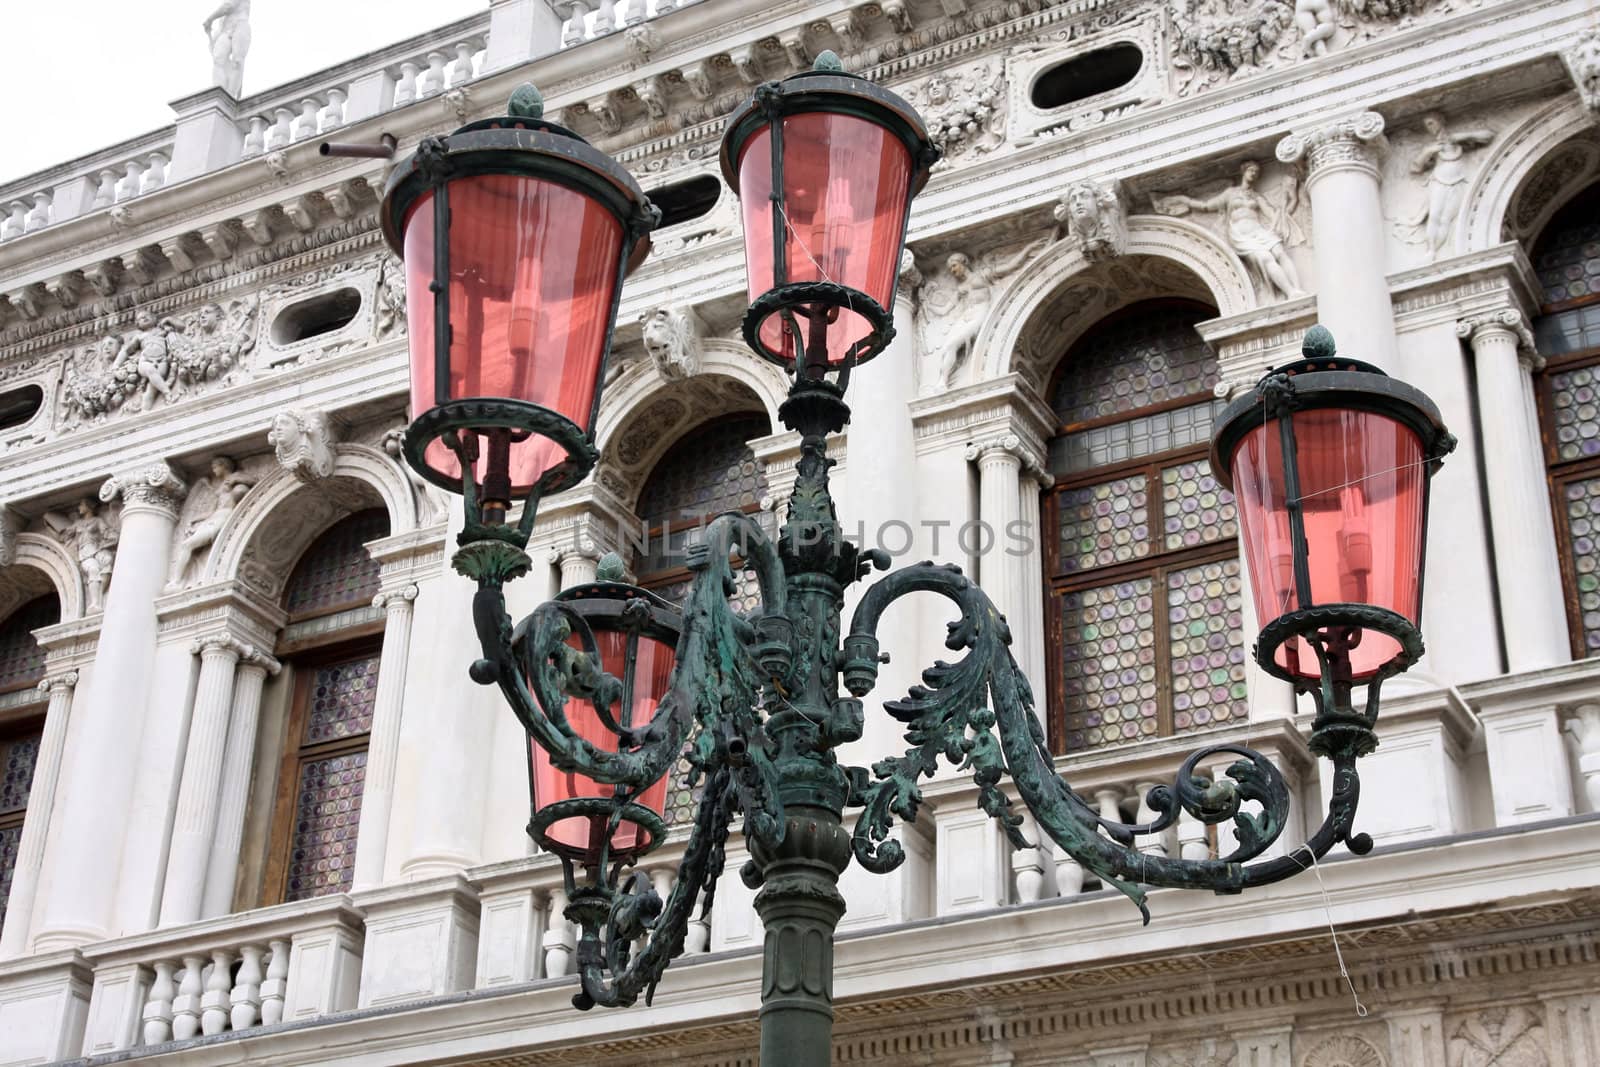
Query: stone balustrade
x=588, y=19
x=105, y=180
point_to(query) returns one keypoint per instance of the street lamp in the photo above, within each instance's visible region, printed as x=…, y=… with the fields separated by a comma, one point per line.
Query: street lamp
x=1329, y=458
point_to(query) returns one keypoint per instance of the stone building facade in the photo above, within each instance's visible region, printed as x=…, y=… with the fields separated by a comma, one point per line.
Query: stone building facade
x=251, y=808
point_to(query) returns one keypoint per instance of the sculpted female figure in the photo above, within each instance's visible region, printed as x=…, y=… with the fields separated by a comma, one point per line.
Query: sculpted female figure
x=1251, y=229
x=228, y=485
x=1446, y=159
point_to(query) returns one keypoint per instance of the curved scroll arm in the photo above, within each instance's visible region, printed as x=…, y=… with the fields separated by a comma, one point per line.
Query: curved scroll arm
x=951, y=716
x=611, y=973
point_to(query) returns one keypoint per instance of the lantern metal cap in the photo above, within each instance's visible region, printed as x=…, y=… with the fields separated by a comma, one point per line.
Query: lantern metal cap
x=520, y=142
x=1324, y=379
x=612, y=603
x=828, y=87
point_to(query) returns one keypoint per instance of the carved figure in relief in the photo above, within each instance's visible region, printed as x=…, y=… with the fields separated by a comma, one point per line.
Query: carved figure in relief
x=1583, y=65
x=227, y=486
x=228, y=28
x=955, y=303
x=215, y=341
x=302, y=440
x=965, y=111
x=672, y=339
x=148, y=346
x=431, y=505
x=390, y=313
x=1444, y=161
x=1225, y=36
x=1317, y=26
x=1499, y=1037
x=1257, y=226
x=94, y=540
x=1094, y=215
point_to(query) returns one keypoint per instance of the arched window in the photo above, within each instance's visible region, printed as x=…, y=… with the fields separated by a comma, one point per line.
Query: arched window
x=21, y=724
x=333, y=660
x=710, y=470
x=1567, y=258
x=1143, y=568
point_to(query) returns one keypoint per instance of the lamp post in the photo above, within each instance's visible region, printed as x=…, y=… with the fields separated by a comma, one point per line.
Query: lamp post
x=515, y=282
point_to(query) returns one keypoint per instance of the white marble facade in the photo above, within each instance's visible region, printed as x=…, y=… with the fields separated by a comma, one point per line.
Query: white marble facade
x=216, y=336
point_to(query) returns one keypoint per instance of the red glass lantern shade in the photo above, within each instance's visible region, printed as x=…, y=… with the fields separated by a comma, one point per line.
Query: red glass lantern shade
x=532, y=280
x=515, y=235
x=1362, y=493
x=634, y=635
x=846, y=194
x=583, y=837
x=1330, y=461
x=825, y=165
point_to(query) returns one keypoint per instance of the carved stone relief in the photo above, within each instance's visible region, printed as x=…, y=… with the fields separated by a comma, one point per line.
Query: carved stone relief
x=210, y=503
x=965, y=109
x=1499, y=1037
x=1211, y=1052
x=431, y=501
x=90, y=534
x=954, y=302
x=1582, y=59
x=389, y=301
x=1259, y=226
x=1554, y=179
x=1443, y=162
x=1096, y=216
x=671, y=337
x=1344, y=1050
x=303, y=441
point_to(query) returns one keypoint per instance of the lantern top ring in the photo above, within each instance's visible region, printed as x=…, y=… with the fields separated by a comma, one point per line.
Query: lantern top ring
x=829, y=90
x=524, y=145
x=1323, y=383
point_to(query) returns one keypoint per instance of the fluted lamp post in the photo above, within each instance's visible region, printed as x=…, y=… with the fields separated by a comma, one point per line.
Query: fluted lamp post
x=514, y=288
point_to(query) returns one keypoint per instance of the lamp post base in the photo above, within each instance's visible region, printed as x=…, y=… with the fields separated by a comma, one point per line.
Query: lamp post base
x=800, y=905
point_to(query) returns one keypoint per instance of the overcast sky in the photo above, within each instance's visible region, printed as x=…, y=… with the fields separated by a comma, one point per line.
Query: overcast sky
x=82, y=74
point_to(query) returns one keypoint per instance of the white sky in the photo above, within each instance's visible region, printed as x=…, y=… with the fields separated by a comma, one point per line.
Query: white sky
x=82, y=74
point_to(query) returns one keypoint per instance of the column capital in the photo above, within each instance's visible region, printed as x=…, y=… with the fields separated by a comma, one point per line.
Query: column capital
x=255, y=659
x=995, y=448
x=63, y=680
x=1499, y=322
x=397, y=598
x=1351, y=141
x=153, y=487
x=219, y=644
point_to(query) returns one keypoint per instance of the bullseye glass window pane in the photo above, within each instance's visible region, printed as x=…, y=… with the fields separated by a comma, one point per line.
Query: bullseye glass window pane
x=1104, y=524
x=1195, y=510
x=1575, y=413
x=21, y=658
x=342, y=696
x=1204, y=632
x=1581, y=513
x=336, y=571
x=322, y=851
x=1108, y=664
x=17, y=759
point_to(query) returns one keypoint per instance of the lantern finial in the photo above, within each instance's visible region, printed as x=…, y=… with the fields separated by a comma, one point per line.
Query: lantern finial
x=610, y=568
x=526, y=102
x=828, y=60
x=1318, y=343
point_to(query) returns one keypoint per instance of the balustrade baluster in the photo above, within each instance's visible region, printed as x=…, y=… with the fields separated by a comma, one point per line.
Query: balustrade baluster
x=129, y=185
x=255, y=142
x=605, y=20
x=1069, y=875
x=558, y=940
x=1584, y=726
x=39, y=215
x=186, y=1008
x=432, y=79
x=16, y=220
x=405, y=86
x=280, y=133
x=155, y=175
x=1192, y=839
x=157, y=1013
x=105, y=193
x=276, y=985
x=245, y=997
x=305, y=124
x=1153, y=844
x=214, y=1005
x=332, y=115
x=460, y=69
x=576, y=28
x=1027, y=865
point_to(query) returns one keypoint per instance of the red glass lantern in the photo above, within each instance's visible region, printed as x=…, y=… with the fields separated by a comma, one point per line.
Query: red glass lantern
x=825, y=165
x=515, y=235
x=1330, y=462
x=634, y=634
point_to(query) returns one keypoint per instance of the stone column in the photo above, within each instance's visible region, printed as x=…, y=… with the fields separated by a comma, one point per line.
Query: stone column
x=222, y=868
x=195, y=824
x=577, y=568
x=1347, y=230
x=41, y=799
x=1533, y=610
x=372, y=836
x=99, y=771
x=1001, y=567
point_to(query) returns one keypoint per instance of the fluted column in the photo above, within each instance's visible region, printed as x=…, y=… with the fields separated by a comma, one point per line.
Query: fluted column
x=1347, y=231
x=41, y=800
x=222, y=865
x=377, y=798
x=195, y=823
x=100, y=771
x=1527, y=570
x=994, y=540
x=577, y=568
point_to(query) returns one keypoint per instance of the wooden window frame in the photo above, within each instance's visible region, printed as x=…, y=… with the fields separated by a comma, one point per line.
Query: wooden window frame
x=296, y=753
x=1156, y=565
x=1560, y=473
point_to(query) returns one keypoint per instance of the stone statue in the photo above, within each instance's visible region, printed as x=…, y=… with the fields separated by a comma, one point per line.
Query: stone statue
x=1583, y=65
x=672, y=339
x=303, y=442
x=228, y=28
x=430, y=500
x=94, y=540
x=149, y=345
x=1093, y=213
x=228, y=486
x=1257, y=226
x=1444, y=162
x=958, y=299
x=1317, y=26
